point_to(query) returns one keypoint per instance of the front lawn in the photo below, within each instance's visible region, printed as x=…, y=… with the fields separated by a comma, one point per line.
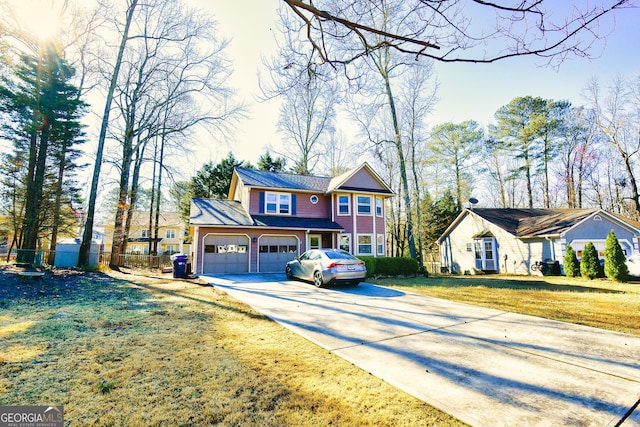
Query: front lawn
x=117, y=349
x=599, y=303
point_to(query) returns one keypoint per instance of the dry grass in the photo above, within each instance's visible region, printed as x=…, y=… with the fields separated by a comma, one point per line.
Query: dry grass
x=598, y=303
x=120, y=349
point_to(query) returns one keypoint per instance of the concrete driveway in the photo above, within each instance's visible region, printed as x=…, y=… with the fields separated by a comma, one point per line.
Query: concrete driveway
x=485, y=367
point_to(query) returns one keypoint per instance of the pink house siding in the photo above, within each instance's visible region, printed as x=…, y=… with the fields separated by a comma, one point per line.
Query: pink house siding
x=305, y=208
x=362, y=179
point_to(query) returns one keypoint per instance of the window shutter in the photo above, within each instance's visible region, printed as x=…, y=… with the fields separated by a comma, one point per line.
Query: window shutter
x=261, y=207
x=293, y=204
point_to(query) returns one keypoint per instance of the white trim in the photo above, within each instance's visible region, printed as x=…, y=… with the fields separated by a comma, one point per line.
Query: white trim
x=349, y=235
x=373, y=244
x=338, y=204
x=371, y=205
x=278, y=194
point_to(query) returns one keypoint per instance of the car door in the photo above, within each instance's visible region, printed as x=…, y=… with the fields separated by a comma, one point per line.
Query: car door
x=307, y=264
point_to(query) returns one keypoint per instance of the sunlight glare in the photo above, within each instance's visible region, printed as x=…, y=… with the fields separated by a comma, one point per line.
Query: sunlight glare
x=39, y=18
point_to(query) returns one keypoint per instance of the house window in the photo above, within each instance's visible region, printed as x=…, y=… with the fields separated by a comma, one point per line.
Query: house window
x=170, y=249
x=365, y=244
x=277, y=203
x=469, y=247
x=378, y=206
x=344, y=205
x=170, y=233
x=380, y=244
x=144, y=233
x=344, y=242
x=364, y=205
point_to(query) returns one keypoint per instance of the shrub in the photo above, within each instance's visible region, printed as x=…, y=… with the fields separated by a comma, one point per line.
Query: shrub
x=615, y=267
x=370, y=264
x=390, y=266
x=590, y=264
x=571, y=263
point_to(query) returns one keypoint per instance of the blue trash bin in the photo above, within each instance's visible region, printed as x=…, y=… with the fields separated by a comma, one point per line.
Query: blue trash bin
x=180, y=266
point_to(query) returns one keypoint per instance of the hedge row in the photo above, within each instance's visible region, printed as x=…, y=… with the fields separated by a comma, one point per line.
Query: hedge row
x=390, y=266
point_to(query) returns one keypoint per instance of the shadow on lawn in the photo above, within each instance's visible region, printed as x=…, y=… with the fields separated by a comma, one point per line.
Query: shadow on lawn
x=495, y=283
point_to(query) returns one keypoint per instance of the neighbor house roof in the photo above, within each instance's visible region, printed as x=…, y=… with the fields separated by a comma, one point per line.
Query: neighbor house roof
x=532, y=223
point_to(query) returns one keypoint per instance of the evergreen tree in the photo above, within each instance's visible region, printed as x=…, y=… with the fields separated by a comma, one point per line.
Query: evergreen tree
x=269, y=164
x=571, y=263
x=590, y=264
x=41, y=111
x=615, y=267
x=437, y=217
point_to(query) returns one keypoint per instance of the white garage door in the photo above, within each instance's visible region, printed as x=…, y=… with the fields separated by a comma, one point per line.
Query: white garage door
x=275, y=251
x=225, y=254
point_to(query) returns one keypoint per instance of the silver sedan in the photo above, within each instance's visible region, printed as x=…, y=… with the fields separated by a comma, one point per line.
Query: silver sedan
x=327, y=266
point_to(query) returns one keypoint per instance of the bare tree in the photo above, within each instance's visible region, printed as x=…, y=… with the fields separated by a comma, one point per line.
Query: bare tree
x=309, y=95
x=446, y=32
x=617, y=118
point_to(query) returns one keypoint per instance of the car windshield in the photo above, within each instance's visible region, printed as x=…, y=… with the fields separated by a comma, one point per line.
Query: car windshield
x=339, y=255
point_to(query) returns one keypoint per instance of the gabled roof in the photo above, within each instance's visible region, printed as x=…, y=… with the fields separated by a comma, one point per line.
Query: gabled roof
x=536, y=223
x=289, y=181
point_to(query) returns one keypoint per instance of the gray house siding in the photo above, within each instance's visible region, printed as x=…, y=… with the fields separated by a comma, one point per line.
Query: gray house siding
x=594, y=230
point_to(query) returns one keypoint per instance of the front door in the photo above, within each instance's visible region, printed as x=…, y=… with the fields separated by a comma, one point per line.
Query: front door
x=315, y=241
x=485, y=254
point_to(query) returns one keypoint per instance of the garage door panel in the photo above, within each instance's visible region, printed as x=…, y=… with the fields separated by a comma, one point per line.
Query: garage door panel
x=226, y=254
x=275, y=251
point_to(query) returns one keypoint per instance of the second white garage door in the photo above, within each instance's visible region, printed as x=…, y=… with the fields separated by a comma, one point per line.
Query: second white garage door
x=275, y=251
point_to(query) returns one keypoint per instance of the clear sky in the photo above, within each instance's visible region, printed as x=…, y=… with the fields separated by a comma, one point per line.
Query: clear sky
x=467, y=91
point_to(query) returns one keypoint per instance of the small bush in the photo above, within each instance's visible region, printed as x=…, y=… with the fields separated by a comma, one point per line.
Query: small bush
x=370, y=264
x=615, y=267
x=105, y=386
x=590, y=264
x=571, y=263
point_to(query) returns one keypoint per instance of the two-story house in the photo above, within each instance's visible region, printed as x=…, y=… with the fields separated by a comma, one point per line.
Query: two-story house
x=271, y=217
x=170, y=234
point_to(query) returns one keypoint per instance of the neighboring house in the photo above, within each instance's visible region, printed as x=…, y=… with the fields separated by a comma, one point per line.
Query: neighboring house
x=513, y=240
x=269, y=218
x=171, y=234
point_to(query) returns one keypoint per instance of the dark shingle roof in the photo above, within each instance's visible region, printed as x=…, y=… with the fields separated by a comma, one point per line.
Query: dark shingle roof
x=256, y=178
x=218, y=212
x=295, y=222
x=534, y=222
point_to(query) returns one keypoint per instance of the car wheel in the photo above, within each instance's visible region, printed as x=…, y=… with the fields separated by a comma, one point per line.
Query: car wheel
x=288, y=272
x=317, y=279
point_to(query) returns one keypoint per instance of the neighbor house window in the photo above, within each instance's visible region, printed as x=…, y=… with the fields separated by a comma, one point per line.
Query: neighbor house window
x=378, y=206
x=364, y=205
x=144, y=233
x=365, y=244
x=277, y=203
x=344, y=242
x=380, y=244
x=344, y=205
x=170, y=233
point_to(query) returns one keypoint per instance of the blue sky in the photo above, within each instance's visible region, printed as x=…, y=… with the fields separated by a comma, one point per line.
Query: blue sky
x=467, y=91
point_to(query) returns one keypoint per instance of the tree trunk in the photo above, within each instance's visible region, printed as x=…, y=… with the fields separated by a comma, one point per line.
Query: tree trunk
x=85, y=246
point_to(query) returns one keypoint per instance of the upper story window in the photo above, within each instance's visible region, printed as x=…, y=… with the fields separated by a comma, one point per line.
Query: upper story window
x=378, y=206
x=344, y=205
x=144, y=233
x=170, y=233
x=277, y=203
x=364, y=205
